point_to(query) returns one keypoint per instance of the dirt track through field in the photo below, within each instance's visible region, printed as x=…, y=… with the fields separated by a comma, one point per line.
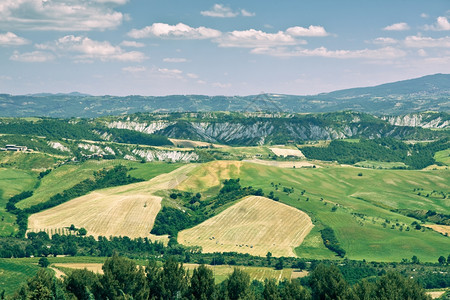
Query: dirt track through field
x=255, y=225
x=128, y=210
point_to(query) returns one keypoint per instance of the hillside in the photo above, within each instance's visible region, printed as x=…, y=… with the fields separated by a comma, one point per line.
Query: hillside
x=421, y=94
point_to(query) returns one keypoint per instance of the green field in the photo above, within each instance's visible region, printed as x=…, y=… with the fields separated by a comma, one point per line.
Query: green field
x=12, y=182
x=68, y=175
x=443, y=157
x=14, y=272
x=28, y=161
x=371, y=196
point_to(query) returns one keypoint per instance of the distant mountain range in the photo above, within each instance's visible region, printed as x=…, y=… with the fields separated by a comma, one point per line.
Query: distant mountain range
x=428, y=93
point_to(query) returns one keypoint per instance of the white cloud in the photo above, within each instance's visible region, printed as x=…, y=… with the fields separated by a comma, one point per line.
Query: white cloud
x=442, y=24
x=382, y=53
x=119, y=2
x=245, y=13
x=222, y=11
x=192, y=75
x=221, y=85
x=179, y=31
x=170, y=73
x=219, y=11
x=424, y=15
x=35, y=56
x=11, y=39
x=138, y=69
x=174, y=59
x=91, y=49
x=422, y=53
x=384, y=41
x=60, y=15
x=427, y=42
x=256, y=38
x=397, y=27
x=310, y=31
x=132, y=44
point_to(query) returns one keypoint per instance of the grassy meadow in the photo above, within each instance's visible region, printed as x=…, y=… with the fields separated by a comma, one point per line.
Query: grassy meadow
x=362, y=220
x=12, y=182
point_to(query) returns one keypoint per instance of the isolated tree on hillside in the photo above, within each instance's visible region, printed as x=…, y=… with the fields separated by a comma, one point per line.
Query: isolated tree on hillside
x=43, y=262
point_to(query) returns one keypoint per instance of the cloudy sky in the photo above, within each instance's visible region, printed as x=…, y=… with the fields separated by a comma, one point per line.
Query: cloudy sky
x=148, y=47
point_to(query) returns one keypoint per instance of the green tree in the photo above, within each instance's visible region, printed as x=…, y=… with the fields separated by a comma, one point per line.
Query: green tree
x=82, y=231
x=238, y=285
x=364, y=290
x=441, y=260
x=269, y=258
x=43, y=262
x=122, y=277
x=395, y=286
x=280, y=264
x=327, y=282
x=202, y=284
x=292, y=290
x=271, y=290
x=82, y=283
x=173, y=279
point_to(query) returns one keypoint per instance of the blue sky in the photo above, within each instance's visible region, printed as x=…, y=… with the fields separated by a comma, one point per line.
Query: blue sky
x=146, y=47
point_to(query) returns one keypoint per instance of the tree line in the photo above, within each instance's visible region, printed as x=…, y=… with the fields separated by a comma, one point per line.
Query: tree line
x=416, y=156
x=123, y=279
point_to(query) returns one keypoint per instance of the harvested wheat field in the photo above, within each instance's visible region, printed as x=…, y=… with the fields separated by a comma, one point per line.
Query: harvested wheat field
x=128, y=210
x=444, y=229
x=255, y=225
x=210, y=174
x=282, y=164
x=287, y=152
x=94, y=267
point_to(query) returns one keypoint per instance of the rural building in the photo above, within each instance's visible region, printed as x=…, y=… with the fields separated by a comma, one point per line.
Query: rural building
x=14, y=148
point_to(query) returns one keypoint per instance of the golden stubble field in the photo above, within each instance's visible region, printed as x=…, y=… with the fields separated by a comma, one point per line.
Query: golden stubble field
x=120, y=211
x=255, y=225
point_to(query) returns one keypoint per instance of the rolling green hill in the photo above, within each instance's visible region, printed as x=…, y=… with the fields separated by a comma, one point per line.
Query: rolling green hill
x=361, y=209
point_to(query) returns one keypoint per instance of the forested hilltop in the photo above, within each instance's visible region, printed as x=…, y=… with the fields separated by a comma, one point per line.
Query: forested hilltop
x=421, y=94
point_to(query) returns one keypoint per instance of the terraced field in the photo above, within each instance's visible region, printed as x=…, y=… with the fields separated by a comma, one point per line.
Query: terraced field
x=120, y=211
x=255, y=225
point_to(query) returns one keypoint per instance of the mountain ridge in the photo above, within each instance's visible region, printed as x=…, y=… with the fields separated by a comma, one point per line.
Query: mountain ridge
x=427, y=93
